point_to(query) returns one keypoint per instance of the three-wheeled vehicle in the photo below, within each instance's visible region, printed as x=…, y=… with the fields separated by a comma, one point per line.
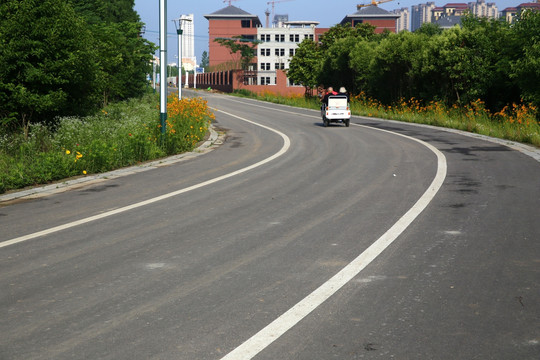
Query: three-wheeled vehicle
x=337, y=110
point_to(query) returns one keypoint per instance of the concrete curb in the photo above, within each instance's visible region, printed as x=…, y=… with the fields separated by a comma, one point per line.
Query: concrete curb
x=215, y=139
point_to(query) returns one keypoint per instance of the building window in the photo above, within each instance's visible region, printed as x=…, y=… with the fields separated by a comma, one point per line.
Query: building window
x=265, y=37
x=265, y=52
x=294, y=38
x=279, y=52
x=265, y=66
x=279, y=37
x=246, y=23
x=265, y=80
x=291, y=52
x=279, y=66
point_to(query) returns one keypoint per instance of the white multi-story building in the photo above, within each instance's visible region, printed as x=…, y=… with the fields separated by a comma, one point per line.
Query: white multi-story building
x=278, y=45
x=188, y=42
x=402, y=22
x=482, y=9
x=421, y=13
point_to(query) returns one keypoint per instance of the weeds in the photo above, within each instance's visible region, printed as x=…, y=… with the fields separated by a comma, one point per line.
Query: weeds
x=121, y=135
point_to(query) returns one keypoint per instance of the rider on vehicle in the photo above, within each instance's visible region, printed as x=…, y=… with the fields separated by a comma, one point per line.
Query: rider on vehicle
x=329, y=92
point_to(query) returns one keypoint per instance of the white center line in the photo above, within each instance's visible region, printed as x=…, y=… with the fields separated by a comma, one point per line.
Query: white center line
x=282, y=324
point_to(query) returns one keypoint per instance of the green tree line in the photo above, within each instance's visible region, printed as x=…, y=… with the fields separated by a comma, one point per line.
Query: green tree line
x=490, y=60
x=68, y=57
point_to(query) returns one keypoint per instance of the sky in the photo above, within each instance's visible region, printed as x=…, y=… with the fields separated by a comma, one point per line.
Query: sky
x=328, y=13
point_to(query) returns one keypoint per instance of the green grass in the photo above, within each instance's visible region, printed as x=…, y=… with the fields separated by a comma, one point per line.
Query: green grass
x=121, y=135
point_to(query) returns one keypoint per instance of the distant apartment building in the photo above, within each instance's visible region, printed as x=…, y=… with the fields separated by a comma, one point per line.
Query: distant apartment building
x=421, y=13
x=482, y=9
x=510, y=13
x=188, y=42
x=278, y=46
x=450, y=14
x=402, y=22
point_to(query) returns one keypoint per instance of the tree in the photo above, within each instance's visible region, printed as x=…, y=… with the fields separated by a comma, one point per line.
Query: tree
x=429, y=29
x=361, y=31
x=305, y=66
x=205, y=61
x=238, y=45
x=107, y=11
x=336, y=70
x=525, y=69
x=48, y=62
x=123, y=55
x=361, y=56
x=391, y=76
x=124, y=60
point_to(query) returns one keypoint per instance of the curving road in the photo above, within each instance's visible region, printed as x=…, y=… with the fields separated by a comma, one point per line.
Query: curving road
x=287, y=241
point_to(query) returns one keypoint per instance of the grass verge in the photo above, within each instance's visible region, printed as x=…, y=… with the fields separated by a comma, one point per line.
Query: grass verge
x=517, y=122
x=121, y=135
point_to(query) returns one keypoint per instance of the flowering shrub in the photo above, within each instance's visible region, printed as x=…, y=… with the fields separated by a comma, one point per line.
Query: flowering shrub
x=187, y=123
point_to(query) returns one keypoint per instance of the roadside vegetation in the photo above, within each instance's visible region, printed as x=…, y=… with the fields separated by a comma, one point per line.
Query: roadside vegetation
x=74, y=96
x=122, y=134
x=516, y=122
x=481, y=77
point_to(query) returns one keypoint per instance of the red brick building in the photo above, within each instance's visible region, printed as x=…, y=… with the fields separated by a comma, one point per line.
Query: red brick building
x=373, y=15
x=226, y=23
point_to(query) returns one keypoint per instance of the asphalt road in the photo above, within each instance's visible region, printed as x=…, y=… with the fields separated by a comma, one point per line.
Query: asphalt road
x=288, y=241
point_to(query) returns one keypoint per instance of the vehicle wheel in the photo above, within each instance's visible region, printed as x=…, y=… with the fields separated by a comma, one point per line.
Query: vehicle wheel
x=347, y=122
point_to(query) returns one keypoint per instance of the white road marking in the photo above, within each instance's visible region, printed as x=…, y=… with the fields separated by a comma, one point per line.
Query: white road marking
x=283, y=150
x=293, y=316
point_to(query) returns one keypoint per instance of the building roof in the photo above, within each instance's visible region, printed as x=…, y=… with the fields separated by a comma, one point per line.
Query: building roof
x=230, y=12
x=529, y=5
x=456, y=5
x=371, y=11
x=447, y=22
x=299, y=23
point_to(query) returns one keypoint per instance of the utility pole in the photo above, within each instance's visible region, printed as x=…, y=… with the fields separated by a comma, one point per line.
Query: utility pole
x=163, y=66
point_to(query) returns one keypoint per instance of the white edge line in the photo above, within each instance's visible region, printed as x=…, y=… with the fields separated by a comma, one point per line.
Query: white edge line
x=282, y=324
x=284, y=148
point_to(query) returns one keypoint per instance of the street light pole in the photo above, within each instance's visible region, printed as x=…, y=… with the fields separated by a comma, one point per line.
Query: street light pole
x=179, y=32
x=163, y=65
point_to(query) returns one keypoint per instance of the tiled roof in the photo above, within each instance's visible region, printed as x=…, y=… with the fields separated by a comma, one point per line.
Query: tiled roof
x=448, y=21
x=230, y=11
x=456, y=5
x=371, y=10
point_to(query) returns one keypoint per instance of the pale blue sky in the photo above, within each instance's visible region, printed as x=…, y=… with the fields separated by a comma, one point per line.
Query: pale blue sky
x=328, y=13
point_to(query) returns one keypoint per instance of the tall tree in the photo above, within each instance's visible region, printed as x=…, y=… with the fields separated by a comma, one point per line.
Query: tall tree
x=526, y=68
x=48, y=61
x=123, y=55
x=305, y=66
x=108, y=11
x=205, y=61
